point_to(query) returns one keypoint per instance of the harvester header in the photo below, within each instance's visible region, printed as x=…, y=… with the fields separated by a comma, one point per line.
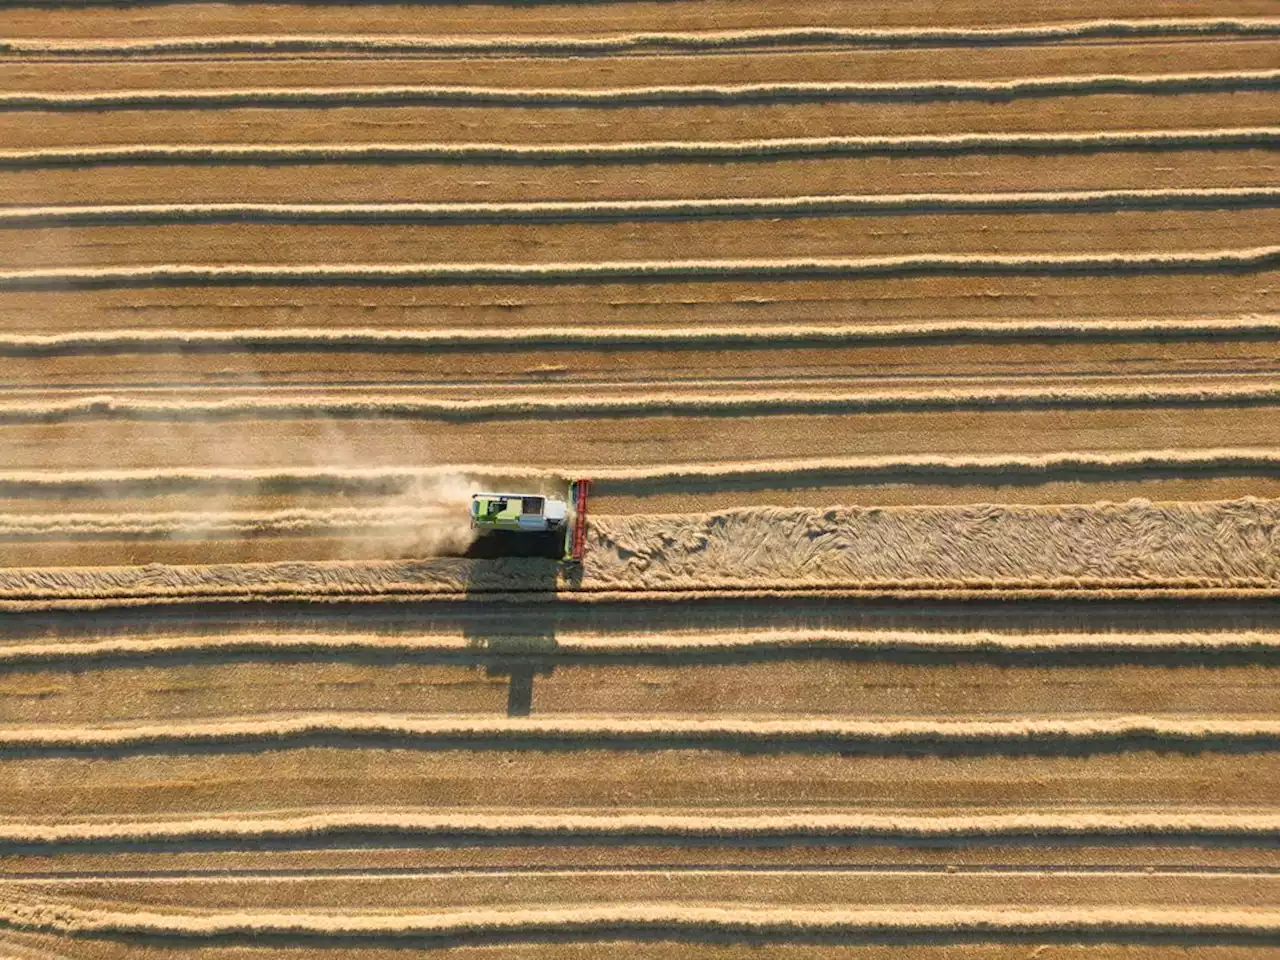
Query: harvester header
x=578, y=530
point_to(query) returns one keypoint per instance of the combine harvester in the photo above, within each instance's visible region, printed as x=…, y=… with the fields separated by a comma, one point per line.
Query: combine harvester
x=530, y=524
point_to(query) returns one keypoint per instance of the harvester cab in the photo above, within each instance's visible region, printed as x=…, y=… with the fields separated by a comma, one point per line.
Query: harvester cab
x=505, y=514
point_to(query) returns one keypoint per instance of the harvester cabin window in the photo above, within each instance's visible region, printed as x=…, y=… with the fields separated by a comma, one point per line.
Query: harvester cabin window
x=532, y=506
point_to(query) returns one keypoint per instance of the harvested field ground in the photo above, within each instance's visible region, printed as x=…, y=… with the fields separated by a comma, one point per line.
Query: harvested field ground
x=924, y=361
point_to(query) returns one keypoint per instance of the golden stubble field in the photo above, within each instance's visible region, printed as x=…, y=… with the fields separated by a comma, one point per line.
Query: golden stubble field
x=924, y=360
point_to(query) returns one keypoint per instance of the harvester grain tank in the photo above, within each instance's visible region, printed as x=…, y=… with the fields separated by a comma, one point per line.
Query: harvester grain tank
x=528, y=512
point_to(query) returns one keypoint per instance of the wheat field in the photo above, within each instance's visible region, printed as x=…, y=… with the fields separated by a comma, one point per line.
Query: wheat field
x=923, y=359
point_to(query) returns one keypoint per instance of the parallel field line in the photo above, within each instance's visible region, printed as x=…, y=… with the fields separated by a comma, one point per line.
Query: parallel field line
x=1083, y=201
x=1257, y=326
x=164, y=274
x=561, y=732
x=747, y=93
x=1119, y=29
x=1226, y=138
x=112, y=407
x=687, y=647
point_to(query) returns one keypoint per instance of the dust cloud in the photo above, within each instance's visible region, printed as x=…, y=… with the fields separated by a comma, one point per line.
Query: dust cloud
x=423, y=512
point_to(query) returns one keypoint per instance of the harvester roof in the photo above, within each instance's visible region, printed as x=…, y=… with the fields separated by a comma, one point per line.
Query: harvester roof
x=502, y=506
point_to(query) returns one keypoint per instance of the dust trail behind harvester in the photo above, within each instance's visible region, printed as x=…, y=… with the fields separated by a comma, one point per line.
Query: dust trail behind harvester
x=436, y=522
x=424, y=513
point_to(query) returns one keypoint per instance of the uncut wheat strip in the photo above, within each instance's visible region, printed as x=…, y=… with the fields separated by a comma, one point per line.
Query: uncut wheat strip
x=645, y=151
x=1144, y=544
x=759, y=403
x=621, y=43
x=1173, y=83
x=1228, y=260
x=1084, y=201
x=201, y=525
x=1257, y=326
x=38, y=913
x=387, y=480
x=692, y=645
x=616, y=823
x=667, y=732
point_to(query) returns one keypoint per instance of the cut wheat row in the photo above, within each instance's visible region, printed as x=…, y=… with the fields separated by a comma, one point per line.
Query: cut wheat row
x=913, y=592
x=718, y=40
x=1103, y=264
x=334, y=521
x=1152, y=827
x=1174, y=83
x=1083, y=201
x=685, y=647
x=760, y=403
x=303, y=339
x=613, y=920
x=658, y=733
x=384, y=481
x=1224, y=138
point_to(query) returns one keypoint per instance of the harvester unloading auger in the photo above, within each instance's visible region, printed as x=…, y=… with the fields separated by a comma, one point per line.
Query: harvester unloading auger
x=546, y=518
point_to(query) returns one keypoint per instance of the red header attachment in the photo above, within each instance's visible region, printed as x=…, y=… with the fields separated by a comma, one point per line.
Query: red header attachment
x=578, y=541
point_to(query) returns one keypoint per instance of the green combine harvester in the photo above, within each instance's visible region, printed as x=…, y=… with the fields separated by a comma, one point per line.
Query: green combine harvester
x=507, y=514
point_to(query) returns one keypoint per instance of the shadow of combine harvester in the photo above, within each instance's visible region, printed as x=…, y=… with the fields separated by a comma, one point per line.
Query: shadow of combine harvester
x=529, y=563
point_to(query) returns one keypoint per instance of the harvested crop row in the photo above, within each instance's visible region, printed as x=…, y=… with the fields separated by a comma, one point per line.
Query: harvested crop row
x=203, y=687
x=393, y=481
x=1170, y=863
x=643, y=152
x=755, y=403
x=614, y=71
x=731, y=613
x=747, y=238
x=684, y=647
x=554, y=123
x=1154, y=827
x=1085, y=201
x=302, y=339
x=297, y=522
x=120, y=795
x=711, y=451
x=161, y=275
x=487, y=181
x=200, y=687
x=866, y=300
x=611, y=921
x=722, y=732
x=516, y=886
x=1174, y=83
x=717, y=40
